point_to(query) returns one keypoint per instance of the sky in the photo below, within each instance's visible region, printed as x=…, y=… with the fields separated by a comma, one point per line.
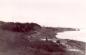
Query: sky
x=55, y=13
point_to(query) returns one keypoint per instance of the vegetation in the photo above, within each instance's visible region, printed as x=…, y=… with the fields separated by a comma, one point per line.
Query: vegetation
x=25, y=39
x=20, y=27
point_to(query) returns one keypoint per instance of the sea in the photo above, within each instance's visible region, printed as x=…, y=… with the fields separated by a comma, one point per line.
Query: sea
x=73, y=35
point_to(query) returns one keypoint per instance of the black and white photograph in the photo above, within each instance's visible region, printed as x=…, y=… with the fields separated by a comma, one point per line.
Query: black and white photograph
x=42, y=27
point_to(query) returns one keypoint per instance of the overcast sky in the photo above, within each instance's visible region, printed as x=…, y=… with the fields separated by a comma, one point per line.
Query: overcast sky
x=64, y=13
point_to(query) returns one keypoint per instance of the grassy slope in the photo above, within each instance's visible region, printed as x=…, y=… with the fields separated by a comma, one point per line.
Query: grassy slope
x=16, y=43
x=8, y=48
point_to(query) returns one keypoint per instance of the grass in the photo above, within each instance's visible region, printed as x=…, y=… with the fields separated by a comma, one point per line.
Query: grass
x=19, y=43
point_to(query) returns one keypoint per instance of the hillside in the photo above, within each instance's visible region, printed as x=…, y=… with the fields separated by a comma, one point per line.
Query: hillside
x=26, y=39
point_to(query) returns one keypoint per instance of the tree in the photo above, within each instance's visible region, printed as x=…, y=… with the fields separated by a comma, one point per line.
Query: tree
x=20, y=27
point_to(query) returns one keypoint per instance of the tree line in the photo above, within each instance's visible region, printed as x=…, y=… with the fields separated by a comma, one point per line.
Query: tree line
x=20, y=27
